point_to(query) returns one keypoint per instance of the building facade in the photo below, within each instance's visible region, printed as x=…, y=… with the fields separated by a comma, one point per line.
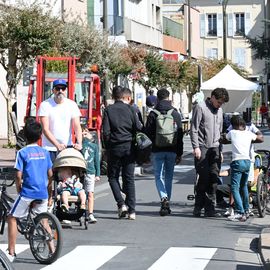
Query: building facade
x=241, y=18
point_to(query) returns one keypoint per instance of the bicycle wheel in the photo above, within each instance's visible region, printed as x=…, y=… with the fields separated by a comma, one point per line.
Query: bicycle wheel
x=262, y=194
x=5, y=264
x=45, y=238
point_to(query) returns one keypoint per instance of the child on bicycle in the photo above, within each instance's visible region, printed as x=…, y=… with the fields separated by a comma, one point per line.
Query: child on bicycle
x=91, y=154
x=33, y=182
x=69, y=185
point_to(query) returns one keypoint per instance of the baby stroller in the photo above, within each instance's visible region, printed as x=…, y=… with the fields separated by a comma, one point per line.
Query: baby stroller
x=73, y=159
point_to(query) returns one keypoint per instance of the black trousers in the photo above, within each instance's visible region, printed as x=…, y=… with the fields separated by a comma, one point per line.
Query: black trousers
x=207, y=167
x=123, y=162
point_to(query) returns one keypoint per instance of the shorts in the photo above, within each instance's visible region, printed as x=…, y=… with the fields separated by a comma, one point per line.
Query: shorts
x=89, y=183
x=72, y=191
x=21, y=205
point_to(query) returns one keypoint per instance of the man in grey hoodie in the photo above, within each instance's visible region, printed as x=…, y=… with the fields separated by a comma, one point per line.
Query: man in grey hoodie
x=206, y=127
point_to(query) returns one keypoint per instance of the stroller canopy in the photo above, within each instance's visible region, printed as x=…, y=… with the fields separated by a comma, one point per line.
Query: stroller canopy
x=69, y=157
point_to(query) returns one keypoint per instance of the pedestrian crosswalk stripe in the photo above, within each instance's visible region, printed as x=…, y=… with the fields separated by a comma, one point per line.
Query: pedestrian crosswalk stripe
x=85, y=257
x=184, y=258
x=19, y=247
x=183, y=168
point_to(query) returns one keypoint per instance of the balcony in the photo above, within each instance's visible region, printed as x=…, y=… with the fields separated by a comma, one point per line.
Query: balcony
x=142, y=33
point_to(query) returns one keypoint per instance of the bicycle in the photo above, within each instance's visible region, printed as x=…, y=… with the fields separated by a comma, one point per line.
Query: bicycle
x=262, y=187
x=43, y=231
x=4, y=262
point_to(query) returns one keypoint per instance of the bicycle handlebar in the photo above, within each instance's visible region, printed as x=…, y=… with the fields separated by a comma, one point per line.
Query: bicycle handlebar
x=7, y=174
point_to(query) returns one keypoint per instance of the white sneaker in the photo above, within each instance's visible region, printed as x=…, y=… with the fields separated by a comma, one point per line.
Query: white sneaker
x=238, y=217
x=122, y=211
x=65, y=221
x=229, y=212
x=132, y=216
x=11, y=258
x=92, y=219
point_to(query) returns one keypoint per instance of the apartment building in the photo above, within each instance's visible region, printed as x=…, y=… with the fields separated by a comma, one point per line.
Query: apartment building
x=135, y=21
x=176, y=17
x=241, y=18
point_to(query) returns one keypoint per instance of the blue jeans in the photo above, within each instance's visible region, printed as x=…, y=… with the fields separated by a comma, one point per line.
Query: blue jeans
x=163, y=163
x=239, y=179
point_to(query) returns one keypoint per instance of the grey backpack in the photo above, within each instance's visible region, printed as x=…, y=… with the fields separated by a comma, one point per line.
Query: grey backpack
x=165, y=129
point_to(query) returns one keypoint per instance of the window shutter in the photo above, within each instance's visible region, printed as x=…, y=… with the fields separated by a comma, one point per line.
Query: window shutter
x=230, y=24
x=208, y=53
x=202, y=24
x=219, y=25
x=236, y=56
x=242, y=57
x=247, y=23
x=215, y=53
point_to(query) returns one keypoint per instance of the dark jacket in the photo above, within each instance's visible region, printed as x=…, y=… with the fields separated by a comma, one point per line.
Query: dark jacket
x=119, y=125
x=150, y=129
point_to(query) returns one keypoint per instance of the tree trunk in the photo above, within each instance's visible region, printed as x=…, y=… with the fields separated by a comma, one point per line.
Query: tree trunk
x=11, y=138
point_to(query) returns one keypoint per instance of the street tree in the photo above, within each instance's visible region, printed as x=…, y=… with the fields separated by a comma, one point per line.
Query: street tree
x=25, y=32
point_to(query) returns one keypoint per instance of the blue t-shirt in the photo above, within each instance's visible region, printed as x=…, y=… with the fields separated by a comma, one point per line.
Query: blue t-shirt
x=34, y=163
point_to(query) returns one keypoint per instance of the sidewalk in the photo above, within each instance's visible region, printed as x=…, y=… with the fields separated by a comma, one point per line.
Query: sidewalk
x=7, y=155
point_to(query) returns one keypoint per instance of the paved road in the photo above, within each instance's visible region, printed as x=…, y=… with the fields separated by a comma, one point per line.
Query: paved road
x=178, y=241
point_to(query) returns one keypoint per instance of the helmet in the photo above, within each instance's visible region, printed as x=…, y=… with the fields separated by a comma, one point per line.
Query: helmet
x=69, y=157
x=59, y=82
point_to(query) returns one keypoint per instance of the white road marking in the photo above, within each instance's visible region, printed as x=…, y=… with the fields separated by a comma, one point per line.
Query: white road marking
x=183, y=168
x=18, y=249
x=176, y=258
x=85, y=257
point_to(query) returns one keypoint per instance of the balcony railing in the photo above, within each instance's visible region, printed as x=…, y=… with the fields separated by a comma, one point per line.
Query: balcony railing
x=172, y=28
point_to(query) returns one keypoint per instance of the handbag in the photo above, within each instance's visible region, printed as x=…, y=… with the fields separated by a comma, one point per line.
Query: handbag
x=142, y=141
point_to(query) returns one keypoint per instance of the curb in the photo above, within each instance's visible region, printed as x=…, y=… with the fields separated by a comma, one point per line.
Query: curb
x=264, y=247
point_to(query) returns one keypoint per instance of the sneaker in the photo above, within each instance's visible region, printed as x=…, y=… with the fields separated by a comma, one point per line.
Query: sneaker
x=65, y=221
x=132, y=216
x=64, y=208
x=238, y=217
x=196, y=212
x=229, y=212
x=92, y=219
x=165, y=207
x=249, y=213
x=11, y=258
x=122, y=211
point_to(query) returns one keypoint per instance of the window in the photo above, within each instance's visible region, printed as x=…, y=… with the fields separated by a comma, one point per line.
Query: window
x=212, y=53
x=239, y=24
x=212, y=24
x=239, y=56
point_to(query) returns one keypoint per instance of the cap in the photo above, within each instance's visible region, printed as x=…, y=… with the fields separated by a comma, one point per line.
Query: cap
x=59, y=82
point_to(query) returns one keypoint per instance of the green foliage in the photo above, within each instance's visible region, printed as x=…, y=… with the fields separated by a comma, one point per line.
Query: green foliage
x=261, y=46
x=25, y=32
x=153, y=75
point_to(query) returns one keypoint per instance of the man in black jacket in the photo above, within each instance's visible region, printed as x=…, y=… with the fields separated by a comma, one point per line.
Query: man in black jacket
x=120, y=123
x=164, y=158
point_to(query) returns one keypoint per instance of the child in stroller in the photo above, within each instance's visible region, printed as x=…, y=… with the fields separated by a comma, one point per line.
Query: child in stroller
x=70, y=198
x=69, y=184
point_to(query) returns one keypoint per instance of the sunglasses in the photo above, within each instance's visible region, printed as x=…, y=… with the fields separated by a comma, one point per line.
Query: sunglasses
x=58, y=88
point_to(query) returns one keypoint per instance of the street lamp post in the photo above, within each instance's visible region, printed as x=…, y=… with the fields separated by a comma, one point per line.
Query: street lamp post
x=224, y=16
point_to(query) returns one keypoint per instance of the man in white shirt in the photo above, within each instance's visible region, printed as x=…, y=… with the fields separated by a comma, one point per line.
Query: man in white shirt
x=58, y=115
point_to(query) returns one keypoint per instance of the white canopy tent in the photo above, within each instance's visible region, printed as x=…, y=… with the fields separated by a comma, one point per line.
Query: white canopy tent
x=240, y=90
